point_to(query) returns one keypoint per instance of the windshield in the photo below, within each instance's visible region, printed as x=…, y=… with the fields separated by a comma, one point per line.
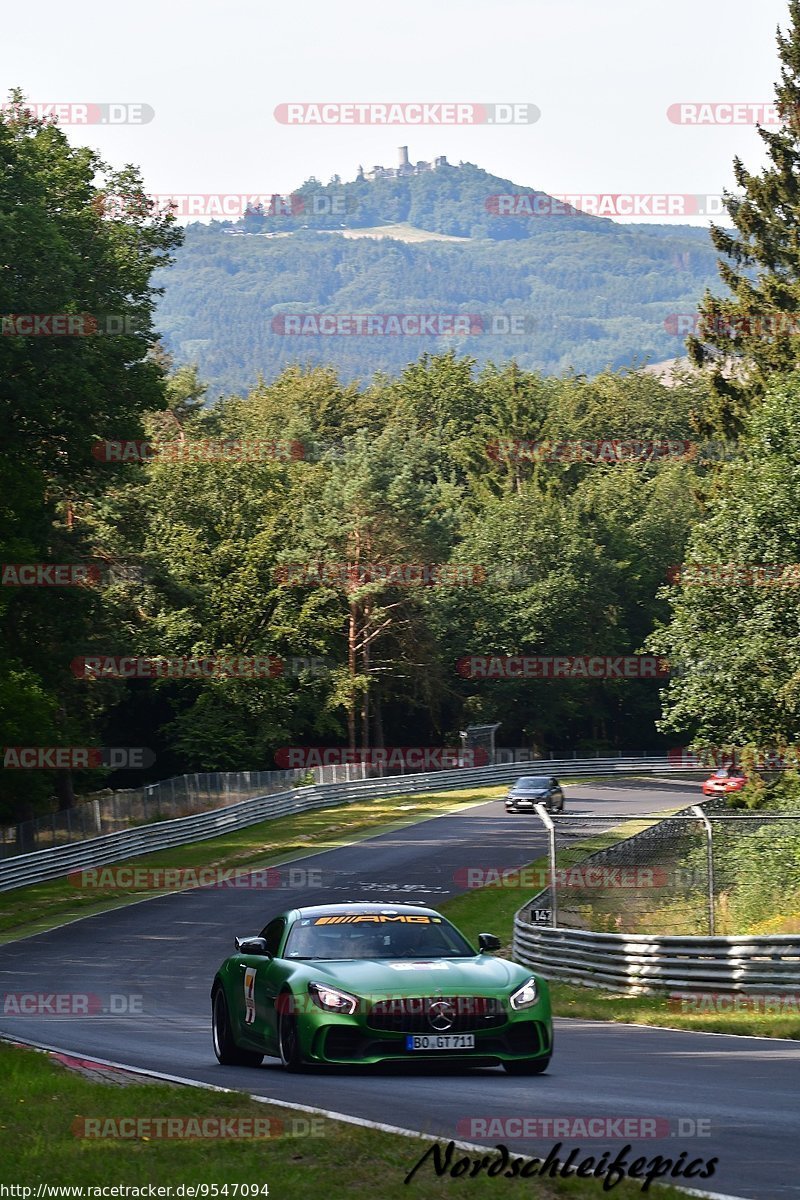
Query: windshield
x=534, y=781
x=375, y=935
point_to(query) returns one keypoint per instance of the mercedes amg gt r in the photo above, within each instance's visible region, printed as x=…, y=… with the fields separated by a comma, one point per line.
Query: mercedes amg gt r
x=370, y=983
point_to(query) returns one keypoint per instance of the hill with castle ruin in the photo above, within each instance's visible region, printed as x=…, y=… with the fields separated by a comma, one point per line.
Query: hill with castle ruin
x=507, y=271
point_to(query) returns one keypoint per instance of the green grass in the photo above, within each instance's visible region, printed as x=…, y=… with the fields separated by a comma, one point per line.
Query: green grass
x=41, y=906
x=40, y=1102
x=599, y=1005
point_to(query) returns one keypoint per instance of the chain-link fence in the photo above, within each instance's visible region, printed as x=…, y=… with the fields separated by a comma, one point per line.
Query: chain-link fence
x=109, y=811
x=703, y=870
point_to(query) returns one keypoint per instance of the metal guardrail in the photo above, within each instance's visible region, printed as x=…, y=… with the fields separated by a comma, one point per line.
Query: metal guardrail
x=653, y=963
x=639, y=963
x=109, y=811
x=58, y=861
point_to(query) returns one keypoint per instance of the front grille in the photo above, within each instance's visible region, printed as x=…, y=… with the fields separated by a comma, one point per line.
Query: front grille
x=347, y=1044
x=412, y=1014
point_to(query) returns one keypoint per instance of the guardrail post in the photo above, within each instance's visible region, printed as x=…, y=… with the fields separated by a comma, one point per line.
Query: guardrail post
x=698, y=809
x=549, y=825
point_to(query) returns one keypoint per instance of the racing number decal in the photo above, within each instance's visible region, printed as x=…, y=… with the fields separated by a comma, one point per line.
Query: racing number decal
x=249, y=995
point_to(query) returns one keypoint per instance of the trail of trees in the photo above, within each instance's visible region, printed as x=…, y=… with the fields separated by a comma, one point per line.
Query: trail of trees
x=311, y=547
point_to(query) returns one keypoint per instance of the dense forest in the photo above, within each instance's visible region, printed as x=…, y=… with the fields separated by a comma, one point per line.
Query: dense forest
x=362, y=534
x=587, y=293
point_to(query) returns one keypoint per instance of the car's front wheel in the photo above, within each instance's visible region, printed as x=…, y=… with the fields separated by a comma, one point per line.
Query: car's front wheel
x=225, y=1048
x=289, y=1042
x=527, y=1066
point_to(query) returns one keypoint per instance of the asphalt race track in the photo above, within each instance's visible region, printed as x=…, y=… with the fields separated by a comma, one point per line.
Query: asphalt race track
x=744, y=1092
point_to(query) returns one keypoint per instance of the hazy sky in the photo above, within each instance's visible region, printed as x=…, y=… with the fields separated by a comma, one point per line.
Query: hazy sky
x=603, y=76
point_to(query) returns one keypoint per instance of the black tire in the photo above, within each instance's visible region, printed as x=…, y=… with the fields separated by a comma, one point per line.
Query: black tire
x=289, y=1042
x=225, y=1048
x=527, y=1066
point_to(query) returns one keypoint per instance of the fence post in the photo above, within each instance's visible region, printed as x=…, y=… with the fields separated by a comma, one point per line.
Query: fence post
x=698, y=809
x=549, y=825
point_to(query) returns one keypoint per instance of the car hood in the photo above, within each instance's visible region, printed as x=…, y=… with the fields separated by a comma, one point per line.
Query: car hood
x=515, y=791
x=414, y=977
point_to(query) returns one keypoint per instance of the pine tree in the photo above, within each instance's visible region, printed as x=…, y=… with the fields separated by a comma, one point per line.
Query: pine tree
x=747, y=336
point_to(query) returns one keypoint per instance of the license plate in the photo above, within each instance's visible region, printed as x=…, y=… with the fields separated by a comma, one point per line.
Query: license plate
x=440, y=1041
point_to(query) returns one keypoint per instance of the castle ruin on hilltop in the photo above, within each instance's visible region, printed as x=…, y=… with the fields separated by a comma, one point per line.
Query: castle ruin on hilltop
x=404, y=167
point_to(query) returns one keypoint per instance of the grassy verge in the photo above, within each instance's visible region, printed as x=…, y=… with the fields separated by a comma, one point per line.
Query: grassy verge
x=491, y=909
x=599, y=1005
x=41, y=906
x=40, y=1140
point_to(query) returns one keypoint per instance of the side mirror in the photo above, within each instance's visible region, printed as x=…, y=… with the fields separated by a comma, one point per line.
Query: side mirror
x=251, y=945
x=488, y=942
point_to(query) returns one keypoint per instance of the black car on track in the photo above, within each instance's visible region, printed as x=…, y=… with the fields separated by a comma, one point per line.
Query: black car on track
x=535, y=789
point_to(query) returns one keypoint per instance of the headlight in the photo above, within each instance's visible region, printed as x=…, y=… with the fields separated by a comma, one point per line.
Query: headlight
x=526, y=996
x=331, y=999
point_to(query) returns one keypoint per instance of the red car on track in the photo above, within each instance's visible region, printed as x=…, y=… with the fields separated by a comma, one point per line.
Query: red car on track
x=723, y=781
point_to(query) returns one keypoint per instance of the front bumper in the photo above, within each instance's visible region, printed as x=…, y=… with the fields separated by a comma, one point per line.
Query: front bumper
x=522, y=1040
x=336, y=1039
x=527, y=801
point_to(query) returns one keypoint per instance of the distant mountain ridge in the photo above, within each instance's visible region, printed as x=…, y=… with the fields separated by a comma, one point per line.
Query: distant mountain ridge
x=557, y=292
x=440, y=197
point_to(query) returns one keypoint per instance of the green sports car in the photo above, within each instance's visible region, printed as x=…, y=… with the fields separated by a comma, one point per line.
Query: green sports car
x=367, y=983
